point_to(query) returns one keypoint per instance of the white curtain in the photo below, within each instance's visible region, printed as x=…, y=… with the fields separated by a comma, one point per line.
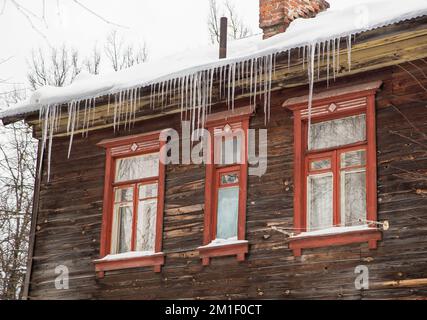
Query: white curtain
x=353, y=197
x=146, y=225
x=329, y=134
x=228, y=210
x=320, y=201
x=139, y=167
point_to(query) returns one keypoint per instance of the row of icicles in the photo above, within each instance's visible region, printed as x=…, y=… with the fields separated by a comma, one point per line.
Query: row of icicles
x=194, y=93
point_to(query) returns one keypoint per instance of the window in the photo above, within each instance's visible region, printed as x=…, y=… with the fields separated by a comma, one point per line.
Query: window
x=225, y=190
x=335, y=169
x=337, y=174
x=133, y=204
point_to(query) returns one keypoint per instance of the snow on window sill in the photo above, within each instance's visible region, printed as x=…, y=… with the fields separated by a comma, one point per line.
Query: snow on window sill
x=134, y=259
x=224, y=247
x=128, y=255
x=335, y=236
x=223, y=242
x=333, y=230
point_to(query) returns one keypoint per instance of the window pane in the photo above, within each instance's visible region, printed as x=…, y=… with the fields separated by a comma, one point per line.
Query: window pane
x=329, y=134
x=353, y=197
x=148, y=191
x=139, y=167
x=228, y=210
x=146, y=225
x=122, y=229
x=320, y=164
x=230, y=178
x=353, y=158
x=230, y=150
x=320, y=202
x=124, y=195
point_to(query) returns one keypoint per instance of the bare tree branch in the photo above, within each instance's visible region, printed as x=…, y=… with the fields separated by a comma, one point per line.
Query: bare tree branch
x=237, y=29
x=59, y=68
x=17, y=172
x=98, y=15
x=121, y=55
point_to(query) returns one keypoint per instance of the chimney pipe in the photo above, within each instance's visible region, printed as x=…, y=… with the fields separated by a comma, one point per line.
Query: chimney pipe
x=223, y=38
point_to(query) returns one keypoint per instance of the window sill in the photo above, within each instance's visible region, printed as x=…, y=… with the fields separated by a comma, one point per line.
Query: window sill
x=341, y=236
x=237, y=248
x=128, y=261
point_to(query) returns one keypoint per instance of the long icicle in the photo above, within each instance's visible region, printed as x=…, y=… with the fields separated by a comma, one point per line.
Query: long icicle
x=312, y=50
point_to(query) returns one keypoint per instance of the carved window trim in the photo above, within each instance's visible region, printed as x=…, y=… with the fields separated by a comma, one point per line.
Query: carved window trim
x=355, y=100
x=115, y=149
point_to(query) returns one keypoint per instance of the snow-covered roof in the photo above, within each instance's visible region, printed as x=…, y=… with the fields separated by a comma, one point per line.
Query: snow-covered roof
x=342, y=19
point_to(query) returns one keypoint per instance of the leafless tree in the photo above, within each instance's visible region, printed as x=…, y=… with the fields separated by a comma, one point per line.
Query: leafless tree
x=122, y=55
x=93, y=62
x=213, y=21
x=134, y=55
x=17, y=173
x=57, y=68
x=237, y=29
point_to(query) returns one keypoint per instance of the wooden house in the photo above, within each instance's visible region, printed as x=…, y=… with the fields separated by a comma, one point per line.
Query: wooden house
x=333, y=99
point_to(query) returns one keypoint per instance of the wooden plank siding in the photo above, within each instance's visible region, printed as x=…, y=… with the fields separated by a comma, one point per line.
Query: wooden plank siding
x=70, y=214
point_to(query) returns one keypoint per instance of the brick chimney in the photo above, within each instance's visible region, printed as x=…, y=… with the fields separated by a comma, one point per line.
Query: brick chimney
x=276, y=15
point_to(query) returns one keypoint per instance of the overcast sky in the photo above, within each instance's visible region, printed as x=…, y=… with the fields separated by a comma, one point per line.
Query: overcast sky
x=166, y=26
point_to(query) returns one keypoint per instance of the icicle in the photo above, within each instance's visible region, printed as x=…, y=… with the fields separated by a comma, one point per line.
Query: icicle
x=229, y=86
x=318, y=60
x=250, y=81
x=328, y=44
x=115, y=113
x=265, y=80
x=72, y=116
x=323, y=51
x=338, y=55
x=151, y=96
x=311, y=85
x=274, y=64
x=220, y=82
x=255, y=81
x=333, y=58
x=303, y=57
x=211, y=88
x=181, y=84
x=349, y=52
x=43, y=116
x=186, y=94
x=233, y=88
x=270, y=76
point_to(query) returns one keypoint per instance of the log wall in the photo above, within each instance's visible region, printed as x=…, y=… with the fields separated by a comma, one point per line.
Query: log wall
x=69, y=219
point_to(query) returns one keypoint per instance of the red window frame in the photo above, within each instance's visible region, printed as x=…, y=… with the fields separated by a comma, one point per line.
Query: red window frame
x=116, y=149
x=237, y=119
x=346, y=102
